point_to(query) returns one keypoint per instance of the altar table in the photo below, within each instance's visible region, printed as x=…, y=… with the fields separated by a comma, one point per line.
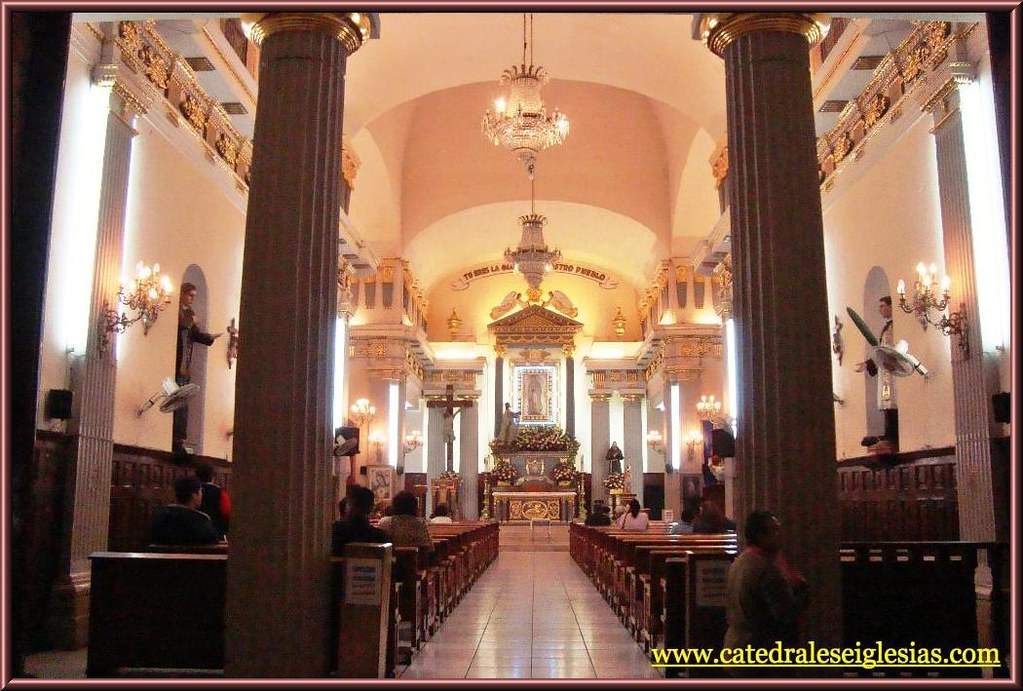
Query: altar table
x=525, y=506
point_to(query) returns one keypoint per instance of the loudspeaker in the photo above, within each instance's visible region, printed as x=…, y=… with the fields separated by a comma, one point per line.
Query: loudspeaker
x=1000, y=402
x=722, y=443
x=58, y=404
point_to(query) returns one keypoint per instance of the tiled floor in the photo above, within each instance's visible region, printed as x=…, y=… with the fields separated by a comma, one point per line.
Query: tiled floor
x=532, y=615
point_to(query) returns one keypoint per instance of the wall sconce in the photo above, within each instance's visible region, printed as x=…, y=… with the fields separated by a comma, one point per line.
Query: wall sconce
x=655, y=441
x=377, y=440
x=148, y=295
x=454, y=324
x=413, y=440
x=362, y=412
x=926, y=299
x=708, y=408
x=692, y=440
x=618, y=322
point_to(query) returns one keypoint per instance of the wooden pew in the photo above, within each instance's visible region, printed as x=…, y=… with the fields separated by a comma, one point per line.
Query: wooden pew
x=156, y=613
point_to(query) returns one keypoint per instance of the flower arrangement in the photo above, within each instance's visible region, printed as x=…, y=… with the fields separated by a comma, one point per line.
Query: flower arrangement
x=548, y=438
x=614, y=481
x=564, y=472
x=449, y=475
x=504, y=471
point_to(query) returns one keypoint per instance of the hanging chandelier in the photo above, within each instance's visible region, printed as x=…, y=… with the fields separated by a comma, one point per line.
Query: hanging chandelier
x=533, y=258
x=520, y=121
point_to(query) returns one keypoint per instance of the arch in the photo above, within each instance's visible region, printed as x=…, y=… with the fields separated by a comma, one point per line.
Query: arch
x=194, y=415
x=875, y=287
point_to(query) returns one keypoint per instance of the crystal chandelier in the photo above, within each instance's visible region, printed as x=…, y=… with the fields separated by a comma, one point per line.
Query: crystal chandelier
x=520, y=121
x=532, y=258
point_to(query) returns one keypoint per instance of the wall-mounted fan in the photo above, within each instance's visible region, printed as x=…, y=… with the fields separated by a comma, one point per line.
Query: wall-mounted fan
x=171, y=396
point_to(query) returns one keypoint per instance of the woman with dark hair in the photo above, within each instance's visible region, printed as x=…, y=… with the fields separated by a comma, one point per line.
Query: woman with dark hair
x=633, y=518
x=765, y=595
x=404, y=527
x=441, y=514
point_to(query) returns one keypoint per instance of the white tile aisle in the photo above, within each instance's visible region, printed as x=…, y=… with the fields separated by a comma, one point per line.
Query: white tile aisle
x=532, y=615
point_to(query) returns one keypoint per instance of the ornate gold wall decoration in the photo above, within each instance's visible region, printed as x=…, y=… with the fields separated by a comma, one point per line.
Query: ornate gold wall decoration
x=719, y=168
x=876, y=107
x=227, y=148
x=131, y=40
x=156, y=68
x=350, y=164
x=841, y=146
x=193, y=111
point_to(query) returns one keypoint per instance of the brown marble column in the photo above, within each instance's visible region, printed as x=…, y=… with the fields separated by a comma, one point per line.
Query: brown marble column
x=786, y=437
x=278, y=584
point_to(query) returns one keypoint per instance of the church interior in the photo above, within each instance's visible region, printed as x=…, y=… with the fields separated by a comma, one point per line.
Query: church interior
x=531, y=270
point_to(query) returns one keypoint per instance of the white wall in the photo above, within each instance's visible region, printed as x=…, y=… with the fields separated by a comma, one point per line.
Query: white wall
x=889, y=217
x=175, y=217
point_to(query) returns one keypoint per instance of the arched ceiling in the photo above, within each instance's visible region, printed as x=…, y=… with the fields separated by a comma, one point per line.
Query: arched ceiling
x=646, y=105
x=583, y=233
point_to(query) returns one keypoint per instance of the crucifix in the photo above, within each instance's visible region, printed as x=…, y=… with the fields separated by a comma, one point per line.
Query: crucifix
x=452, y=409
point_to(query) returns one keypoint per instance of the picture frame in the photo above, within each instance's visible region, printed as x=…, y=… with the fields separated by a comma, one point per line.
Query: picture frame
x=380, y=479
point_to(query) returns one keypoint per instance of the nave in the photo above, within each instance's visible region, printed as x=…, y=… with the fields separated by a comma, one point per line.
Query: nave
x=532, y=615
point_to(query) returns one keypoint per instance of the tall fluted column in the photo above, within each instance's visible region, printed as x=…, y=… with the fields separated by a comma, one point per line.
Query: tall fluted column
x=569, y=389
x=786, y=435
x=279, y=585
x=600, y=441
x=436, y=458
x=632, y=445
x=981, y=471
x=87, y=509
x=498, y=391
x=468, y=461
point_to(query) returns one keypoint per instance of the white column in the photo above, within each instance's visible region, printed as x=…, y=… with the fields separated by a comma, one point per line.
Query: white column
x=87, y=509
x=633, y=442
x=434, y=451
x=469, y=461
x=600, y=440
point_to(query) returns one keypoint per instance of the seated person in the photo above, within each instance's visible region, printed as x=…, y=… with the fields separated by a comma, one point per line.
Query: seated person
x=600, y=516
x=216, y=502
x=633, y=519
x=711, y=521
x=183, y=523
x=684, y=526
x=354, y=524
x=441, y=514
x=403, y=527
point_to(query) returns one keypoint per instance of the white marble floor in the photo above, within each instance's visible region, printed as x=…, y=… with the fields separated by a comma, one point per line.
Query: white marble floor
x=532, y=615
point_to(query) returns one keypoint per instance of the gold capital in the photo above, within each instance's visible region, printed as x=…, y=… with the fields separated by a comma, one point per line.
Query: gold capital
x=719, y=30
x=351, y=28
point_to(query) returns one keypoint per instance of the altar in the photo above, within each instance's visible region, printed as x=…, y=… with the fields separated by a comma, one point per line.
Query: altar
x=526, y=506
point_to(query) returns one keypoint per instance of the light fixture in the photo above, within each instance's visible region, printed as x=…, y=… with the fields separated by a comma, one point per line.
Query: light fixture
x=707, y=408
x=362, y=412
x=413, y=440
x=655, y=441
x=148, y=295
x=926, y=300
x=532, y=258
x=520, y=121
x=618, y=321
x=454, y=324
x=377, y=440
x=692, y=440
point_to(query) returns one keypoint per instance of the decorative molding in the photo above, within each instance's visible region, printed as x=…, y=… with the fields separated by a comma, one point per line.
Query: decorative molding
x=474, y=273
x=898, y=75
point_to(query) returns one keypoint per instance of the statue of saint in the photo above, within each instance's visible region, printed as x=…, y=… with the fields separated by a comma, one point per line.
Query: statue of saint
x=189, y=334
x=535, y=398
x=449, y=424
x=509, y=424
x=886, y=400
x=615, y=457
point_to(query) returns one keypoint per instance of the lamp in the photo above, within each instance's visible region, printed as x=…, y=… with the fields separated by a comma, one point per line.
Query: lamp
x=362, y=412
x=148, y=295
x=708, y=408
x=377, y=440
x=618, y=321
x=926, y=299
x=692, y=440
x=454, y=324
x=520, y=121
x=413, y=440
x=655, y=441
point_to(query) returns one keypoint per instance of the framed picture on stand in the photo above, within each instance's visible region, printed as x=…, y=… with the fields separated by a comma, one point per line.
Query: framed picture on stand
x=380, y=479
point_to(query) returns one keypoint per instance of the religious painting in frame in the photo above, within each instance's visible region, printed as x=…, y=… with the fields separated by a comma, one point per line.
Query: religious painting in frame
x=535, y=392
x=692, y=489
x=380, y=479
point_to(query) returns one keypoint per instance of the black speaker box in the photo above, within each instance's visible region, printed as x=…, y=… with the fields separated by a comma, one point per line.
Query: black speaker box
x=58, y=404
x=350, y=433
x=1001, y=404
x=722, y=443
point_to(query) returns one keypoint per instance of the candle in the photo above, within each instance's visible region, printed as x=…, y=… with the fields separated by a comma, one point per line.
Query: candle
x=901, y=289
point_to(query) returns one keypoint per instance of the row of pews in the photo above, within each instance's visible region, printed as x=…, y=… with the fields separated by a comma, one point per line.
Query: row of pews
x=668, y=590
x=138, y=626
